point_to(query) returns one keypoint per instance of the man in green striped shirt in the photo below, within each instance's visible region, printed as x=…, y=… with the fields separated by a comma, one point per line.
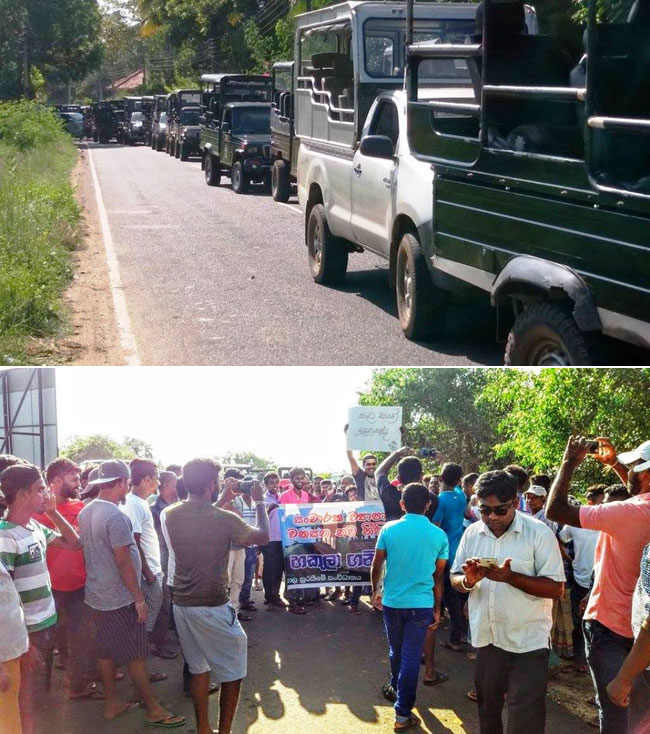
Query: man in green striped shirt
x=23, y=546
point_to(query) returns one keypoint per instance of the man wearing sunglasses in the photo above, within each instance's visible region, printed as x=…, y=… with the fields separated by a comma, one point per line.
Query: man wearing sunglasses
x=510, y=565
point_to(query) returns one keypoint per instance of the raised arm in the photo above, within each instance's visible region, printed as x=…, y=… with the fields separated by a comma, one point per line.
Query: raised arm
x=68, y=538
x=389, y=462
x=354, y=464
x=557, y=504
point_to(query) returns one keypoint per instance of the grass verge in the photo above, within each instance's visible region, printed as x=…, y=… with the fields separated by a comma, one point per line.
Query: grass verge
x=39, y=226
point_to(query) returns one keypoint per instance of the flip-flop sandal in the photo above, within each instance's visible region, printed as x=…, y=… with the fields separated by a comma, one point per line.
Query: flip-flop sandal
x=92, y=692
x=440, y=678
x=165, y=654
x=127, y=710
x=170, y=722
x=472, y=695
x=157, y=677
x=413, y=721
x=451, y=647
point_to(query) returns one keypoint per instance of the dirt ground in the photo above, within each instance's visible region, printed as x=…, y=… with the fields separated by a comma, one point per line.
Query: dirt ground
x=318, y=674
x=90, y=336
x=575, y=692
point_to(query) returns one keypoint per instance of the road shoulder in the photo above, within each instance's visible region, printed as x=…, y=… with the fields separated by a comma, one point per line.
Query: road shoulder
x=94, y=337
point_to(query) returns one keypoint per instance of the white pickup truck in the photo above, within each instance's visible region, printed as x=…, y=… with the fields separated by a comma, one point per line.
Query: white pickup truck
x=378, y=199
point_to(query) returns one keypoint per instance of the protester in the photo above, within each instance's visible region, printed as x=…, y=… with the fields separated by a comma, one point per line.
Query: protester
x=14, y=644
x=114, y=592
x=521, y=475
x=144, y=484
x=23, y=548
x=535, y=498
x=584, y=551
x=452, y=510
x=510, y=565
x=296, y=495
x=273, y=568
x=250, y=553
x=415, y=553
x=212, y=639
x=409, y=469
x=616, y=493
x=74, y=636
x=595, y=494
x=625, y=531
x=631, y=686
x=167, y=496
x=364, y=475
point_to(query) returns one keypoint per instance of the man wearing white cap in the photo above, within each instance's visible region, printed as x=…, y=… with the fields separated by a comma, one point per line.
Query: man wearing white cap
x=625, y=531
x=535, y=497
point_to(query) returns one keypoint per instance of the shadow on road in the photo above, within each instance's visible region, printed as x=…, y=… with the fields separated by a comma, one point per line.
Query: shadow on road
x=467, y=330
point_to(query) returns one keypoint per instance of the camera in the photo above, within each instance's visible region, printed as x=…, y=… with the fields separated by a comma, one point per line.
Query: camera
x=244, y=486
x=428, y=453
x=592, y=447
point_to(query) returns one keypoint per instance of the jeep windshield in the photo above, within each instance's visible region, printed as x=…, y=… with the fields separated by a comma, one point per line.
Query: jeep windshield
x=190, y=117
x=384, y=45
x=251, y=121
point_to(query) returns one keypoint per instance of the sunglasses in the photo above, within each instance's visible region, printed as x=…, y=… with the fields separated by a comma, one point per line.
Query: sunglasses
x=499, y=510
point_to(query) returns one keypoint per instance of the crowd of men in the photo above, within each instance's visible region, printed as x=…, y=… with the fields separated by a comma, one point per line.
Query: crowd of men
x=100, y=565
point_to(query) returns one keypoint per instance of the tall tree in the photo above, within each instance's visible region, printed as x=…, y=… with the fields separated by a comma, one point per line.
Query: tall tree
x=100, y=446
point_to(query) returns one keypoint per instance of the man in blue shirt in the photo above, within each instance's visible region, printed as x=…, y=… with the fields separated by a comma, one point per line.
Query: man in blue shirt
x=415, y=552
x=452, y=508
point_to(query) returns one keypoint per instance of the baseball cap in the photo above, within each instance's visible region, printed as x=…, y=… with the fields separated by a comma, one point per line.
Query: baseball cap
x=537, y=490
x=110, y=471
x=640, y=452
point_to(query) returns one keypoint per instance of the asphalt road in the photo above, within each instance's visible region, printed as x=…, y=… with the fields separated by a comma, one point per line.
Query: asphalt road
x=212, y=277
x=318, y=674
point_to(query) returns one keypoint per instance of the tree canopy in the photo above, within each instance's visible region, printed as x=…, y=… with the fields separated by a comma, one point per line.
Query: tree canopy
x=487, y=418
x=100, y=446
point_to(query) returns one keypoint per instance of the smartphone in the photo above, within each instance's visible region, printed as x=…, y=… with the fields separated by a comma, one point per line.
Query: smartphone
x=592, y=447
x=488, y=562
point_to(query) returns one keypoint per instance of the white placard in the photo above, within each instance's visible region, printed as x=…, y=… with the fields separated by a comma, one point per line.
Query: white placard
x=374, y=428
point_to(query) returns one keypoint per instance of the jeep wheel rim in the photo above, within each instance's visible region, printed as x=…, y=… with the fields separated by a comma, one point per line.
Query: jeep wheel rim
x=274, y=180
x=317, y=246
x=235, y=177
x=548, y=353
x=208, y=168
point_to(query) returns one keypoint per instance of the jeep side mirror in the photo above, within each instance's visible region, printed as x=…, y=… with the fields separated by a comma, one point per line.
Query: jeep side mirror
x=377, y=146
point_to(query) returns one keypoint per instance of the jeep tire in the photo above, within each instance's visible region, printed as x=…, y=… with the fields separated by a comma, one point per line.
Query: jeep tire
x=328, y=255
x=545, y=335
x=418, y=303
x=212, y=168
x=177, y=149
x=280, y=181
x=183, y=153
x=238, y=178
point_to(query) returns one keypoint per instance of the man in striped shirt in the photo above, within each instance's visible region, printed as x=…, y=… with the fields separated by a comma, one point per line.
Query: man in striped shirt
x=23, y=547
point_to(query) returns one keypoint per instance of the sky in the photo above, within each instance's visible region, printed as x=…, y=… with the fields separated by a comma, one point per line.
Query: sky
x=293, y=415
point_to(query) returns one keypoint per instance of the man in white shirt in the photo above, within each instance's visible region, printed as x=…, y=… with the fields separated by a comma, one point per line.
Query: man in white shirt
x=144, y=483
x=535, y=497
x=584, y=547
x=510, y=565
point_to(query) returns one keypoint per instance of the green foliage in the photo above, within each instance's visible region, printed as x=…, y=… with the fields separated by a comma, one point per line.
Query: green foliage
x=486, y=418
x=26, y=125
x=39, y=218
x=100, y=446
x=265, y=50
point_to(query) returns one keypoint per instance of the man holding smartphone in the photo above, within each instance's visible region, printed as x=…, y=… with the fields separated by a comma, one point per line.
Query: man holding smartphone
x=510, y=565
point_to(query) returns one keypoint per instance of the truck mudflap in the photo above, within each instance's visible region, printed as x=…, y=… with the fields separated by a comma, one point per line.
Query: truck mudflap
x=528, y=275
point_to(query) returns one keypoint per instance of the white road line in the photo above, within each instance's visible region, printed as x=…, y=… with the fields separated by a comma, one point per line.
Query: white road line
x=295, y=209
x=127, y=338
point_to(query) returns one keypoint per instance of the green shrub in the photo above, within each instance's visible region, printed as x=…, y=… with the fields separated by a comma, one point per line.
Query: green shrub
x=25, y=125
x=39, y=219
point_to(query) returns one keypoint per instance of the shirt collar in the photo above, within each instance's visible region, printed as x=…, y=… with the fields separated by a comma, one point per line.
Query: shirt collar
x=515, y=527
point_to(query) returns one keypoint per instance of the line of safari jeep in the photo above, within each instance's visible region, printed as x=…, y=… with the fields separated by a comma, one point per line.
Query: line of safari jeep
x=469, y=151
